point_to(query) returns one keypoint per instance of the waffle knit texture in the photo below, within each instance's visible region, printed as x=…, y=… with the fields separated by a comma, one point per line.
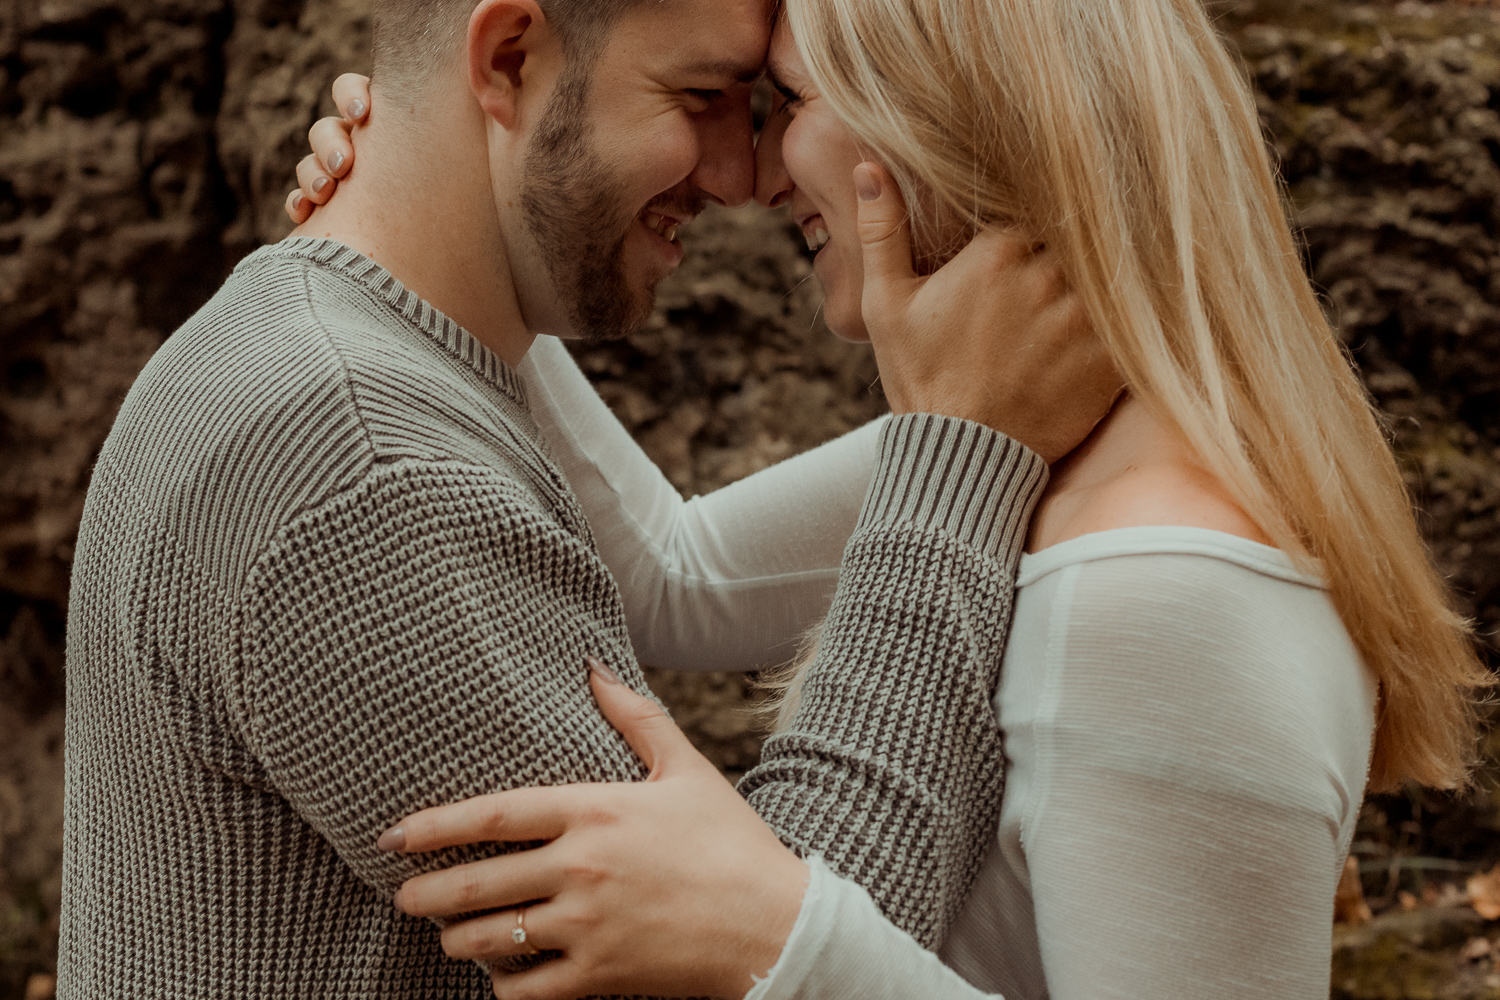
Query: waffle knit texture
x=892, y=768
x=328, y=575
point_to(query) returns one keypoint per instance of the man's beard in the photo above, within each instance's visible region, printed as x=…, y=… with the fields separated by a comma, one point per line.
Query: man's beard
x=574, y=210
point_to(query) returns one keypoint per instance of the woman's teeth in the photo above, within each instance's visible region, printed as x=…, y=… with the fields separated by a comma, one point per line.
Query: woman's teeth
x=816, y=239
x=661, y=225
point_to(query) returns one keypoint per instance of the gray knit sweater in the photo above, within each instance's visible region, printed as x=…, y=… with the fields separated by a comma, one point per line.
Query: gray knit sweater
x=328, y=575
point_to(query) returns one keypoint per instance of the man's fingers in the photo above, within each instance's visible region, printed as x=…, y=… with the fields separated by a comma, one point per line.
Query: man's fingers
x=650, y=732
x=518, y=815
x=316, y=185
x=996, y=248
x=506, y=880
x=330, y=143
x=884, y=235
x=298, y=208
x=351, y=95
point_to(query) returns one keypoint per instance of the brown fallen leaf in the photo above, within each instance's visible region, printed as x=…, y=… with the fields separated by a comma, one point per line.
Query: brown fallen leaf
x=1484, y=894
x=1349, y=906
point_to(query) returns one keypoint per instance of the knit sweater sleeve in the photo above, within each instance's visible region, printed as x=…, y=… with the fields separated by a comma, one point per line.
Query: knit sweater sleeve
x=417, y=640
x=891, y=768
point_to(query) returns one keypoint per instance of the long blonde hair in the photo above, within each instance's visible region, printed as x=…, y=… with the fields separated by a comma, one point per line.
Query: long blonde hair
x=1125, y=133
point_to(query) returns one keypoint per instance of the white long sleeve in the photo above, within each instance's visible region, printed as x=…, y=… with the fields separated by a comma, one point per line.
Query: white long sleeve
x=727, y=581
x=842, y=948
x=1188, y=728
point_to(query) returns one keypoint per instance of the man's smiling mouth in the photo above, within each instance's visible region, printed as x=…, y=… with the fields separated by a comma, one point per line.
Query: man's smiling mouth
x=662, y=225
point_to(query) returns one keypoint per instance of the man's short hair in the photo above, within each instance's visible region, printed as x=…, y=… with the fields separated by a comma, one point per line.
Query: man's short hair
x=412, y=37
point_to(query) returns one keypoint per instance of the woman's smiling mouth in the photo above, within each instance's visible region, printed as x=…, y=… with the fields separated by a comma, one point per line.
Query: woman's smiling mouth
x=815, y=231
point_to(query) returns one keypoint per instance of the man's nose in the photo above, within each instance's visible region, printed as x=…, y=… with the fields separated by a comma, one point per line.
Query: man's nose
x=773, y=185
x=726, y=169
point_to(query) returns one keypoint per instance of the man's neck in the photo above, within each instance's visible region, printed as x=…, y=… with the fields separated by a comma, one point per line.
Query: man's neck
x=421, y=207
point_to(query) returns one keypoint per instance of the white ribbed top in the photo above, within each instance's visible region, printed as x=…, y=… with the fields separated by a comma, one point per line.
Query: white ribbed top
x=1188, y=727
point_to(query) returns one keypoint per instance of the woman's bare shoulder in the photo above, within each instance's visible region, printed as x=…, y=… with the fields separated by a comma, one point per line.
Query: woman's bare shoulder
x=1156, y=494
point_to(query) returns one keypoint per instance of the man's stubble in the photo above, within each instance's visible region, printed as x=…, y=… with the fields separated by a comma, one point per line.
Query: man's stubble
x=575, y=212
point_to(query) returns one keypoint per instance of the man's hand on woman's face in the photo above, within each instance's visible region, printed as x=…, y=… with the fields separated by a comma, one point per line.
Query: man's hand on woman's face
x=671, y=886
x=996, y=335
x=319, y=173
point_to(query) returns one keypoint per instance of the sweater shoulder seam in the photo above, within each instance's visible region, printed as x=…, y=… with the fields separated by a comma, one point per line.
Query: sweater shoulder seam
x=342, y=362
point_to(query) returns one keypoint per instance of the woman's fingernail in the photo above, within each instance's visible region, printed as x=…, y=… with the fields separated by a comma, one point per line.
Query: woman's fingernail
x=866, y=182
x=319, y=184
x=396, y=901
x=355, y=110
x=335, y=161
x=597, y=666
x=296, y=200
x=393, y=839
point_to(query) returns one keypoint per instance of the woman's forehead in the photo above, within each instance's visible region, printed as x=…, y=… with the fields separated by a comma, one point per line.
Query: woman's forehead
x=784, y=61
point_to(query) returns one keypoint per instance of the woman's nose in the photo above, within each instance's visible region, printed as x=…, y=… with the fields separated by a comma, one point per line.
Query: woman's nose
x=773, y=185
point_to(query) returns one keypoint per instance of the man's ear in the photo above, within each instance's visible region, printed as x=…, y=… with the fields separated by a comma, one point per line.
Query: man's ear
x=505, y=39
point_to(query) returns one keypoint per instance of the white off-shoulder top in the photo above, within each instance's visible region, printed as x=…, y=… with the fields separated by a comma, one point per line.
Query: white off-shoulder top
x=1188, y=728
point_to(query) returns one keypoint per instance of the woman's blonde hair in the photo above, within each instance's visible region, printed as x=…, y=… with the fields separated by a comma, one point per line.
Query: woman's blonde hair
x=1123, y=132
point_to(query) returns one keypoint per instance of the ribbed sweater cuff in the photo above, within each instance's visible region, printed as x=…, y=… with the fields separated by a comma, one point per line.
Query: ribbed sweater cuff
x=955, y=476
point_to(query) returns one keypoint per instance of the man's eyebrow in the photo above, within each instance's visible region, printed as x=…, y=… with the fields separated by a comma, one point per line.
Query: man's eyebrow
x=738, y=71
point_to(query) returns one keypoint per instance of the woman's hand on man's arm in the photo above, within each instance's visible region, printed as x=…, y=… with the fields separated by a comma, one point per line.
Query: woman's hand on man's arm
x=319, y=173
x=671, y=886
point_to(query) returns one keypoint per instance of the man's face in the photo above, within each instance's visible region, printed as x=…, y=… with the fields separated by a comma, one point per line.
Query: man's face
x=660, y=127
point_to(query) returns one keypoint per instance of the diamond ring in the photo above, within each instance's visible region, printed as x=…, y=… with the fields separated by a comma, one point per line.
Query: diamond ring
x=519, y=934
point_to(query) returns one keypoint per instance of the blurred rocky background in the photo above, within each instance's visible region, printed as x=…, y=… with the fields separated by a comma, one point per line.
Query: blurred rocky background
x=145, y=146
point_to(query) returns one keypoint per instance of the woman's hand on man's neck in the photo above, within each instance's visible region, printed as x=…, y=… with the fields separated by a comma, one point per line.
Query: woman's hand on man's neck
x=442, y=244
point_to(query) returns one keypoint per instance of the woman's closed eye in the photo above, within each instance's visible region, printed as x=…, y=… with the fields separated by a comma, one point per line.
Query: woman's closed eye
x=790, y=99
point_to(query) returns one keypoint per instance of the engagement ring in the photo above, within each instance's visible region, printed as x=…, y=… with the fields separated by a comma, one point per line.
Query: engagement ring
x=519, y=934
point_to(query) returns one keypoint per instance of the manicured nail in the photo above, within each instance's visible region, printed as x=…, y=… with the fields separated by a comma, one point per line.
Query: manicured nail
x=319, y=185
x=355, y=110
x=597, y=666
x=393, y=839
x=396, y=901
x=335, y=161
x=866, y=182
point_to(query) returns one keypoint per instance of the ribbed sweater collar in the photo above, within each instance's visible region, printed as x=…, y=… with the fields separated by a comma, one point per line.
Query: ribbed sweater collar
x=331, y=255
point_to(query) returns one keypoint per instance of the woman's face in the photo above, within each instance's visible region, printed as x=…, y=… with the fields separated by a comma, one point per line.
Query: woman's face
x=806, y=158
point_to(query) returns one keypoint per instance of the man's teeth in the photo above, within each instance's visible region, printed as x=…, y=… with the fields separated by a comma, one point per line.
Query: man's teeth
x=661, y=225
x=816, y=239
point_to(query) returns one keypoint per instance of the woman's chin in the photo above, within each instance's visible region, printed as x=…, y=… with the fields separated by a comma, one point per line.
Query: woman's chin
x=843, y=317
x=854, y=333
